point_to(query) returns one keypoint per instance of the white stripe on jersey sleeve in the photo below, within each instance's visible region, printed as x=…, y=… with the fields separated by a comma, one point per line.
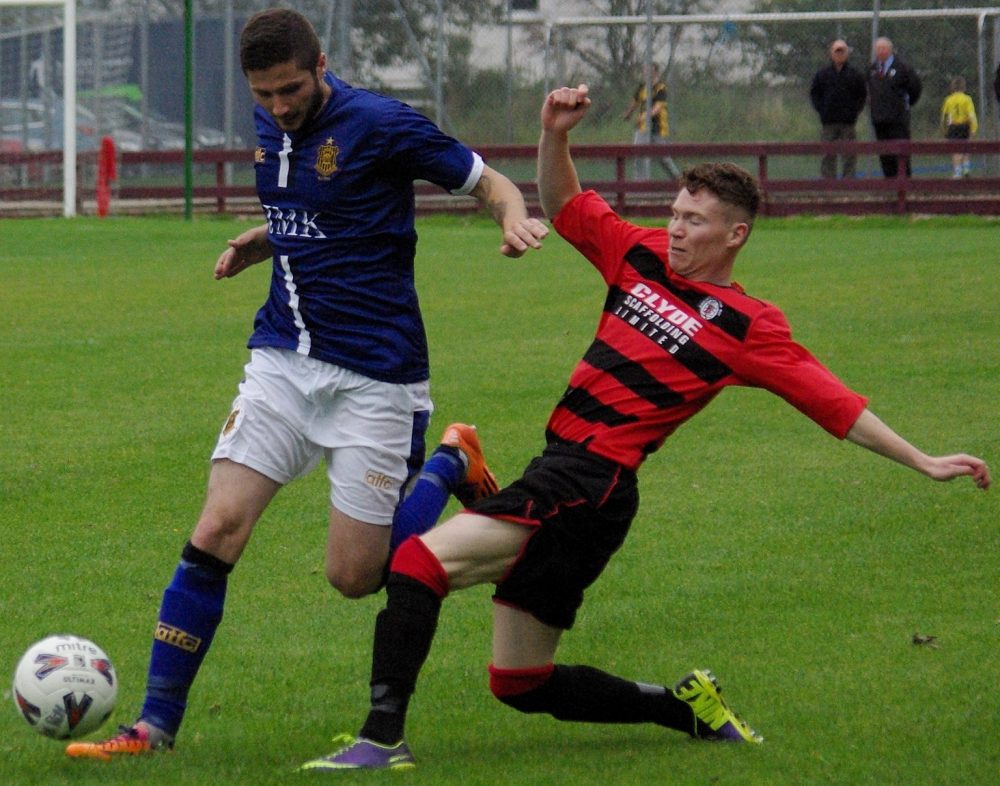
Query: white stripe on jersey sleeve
x=474, y=174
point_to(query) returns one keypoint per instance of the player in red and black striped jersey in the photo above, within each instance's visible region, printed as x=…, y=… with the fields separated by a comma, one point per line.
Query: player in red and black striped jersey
x=667, y=344
x=675, y=330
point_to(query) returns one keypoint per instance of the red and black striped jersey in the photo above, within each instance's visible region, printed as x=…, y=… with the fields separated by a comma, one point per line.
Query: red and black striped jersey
x=666, y=346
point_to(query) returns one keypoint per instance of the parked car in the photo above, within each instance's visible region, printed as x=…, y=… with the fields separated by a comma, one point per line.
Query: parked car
x=160, y=133
x=38, y=125
x=43, y=129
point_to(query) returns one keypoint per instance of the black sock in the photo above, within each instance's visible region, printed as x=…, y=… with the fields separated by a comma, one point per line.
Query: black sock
x=583, y=693
x=404, y=630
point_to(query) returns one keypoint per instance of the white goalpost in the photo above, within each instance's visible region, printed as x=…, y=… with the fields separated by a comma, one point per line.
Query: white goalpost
x=69, y=95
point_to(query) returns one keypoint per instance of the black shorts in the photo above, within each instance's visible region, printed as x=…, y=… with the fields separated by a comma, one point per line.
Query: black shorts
x=581, y=506
x=958, y=131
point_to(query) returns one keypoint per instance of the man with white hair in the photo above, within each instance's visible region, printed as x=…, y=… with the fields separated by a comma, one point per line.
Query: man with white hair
x=893, y=87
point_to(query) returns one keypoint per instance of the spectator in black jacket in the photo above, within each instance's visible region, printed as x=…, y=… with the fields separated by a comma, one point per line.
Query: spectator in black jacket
x=893, y=87
x=838, y=93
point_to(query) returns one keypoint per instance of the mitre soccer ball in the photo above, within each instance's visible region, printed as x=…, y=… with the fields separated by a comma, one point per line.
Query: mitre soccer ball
x=65, y=686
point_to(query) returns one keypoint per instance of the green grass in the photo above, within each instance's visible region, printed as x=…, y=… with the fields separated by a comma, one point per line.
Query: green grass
x=796, y=567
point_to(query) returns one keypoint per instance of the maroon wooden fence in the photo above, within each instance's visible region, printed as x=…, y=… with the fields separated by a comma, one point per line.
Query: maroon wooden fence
x=605, y=168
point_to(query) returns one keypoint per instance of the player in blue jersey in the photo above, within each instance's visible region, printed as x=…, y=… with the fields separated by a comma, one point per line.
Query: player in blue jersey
x=338, y=368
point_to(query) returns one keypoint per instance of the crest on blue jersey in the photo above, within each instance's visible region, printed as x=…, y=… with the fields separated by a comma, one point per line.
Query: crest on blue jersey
x=326, y=158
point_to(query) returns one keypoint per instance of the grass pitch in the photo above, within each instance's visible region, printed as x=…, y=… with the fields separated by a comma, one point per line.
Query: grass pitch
x=796, y=567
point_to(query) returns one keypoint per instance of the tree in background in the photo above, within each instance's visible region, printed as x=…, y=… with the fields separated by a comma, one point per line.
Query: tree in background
x=725, y=80
x=610, y=57
x=387, y=33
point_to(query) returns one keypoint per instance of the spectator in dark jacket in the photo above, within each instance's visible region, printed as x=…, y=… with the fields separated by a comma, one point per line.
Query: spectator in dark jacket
x=838, y=93
x=893, y=87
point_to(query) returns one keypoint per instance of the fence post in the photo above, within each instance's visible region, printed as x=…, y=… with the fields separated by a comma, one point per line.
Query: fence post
x=620, y=184
x=762, y=179
x=903, y=162
x=220, y=186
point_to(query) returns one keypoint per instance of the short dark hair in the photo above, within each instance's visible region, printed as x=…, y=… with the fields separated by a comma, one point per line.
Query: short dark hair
x=732, y=184
x=278, y=35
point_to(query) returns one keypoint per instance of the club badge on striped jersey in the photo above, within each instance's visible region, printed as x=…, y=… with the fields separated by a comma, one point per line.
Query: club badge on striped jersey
x=326, y=159
x=709, y=308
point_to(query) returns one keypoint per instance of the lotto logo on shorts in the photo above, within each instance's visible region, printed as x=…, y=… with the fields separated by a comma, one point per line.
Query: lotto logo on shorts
x=378, y=480
x=230, y=423
x=176, y=637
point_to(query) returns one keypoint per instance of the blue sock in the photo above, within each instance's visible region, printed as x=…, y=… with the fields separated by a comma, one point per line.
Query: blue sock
x=189, y=615
x=422, y=507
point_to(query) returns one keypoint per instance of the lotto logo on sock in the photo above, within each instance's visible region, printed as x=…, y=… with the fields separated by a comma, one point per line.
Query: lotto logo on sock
x=176, y=637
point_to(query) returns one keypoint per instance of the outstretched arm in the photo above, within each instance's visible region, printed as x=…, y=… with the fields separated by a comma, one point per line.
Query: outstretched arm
x=557, y=179
x=505, y=203
x=870, y=432
x=247, y=249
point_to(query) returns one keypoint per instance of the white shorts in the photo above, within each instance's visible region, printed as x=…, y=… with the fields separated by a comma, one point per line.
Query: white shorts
x=293, y=409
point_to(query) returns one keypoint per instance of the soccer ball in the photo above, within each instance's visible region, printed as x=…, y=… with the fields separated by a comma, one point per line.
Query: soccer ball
x=65, y=686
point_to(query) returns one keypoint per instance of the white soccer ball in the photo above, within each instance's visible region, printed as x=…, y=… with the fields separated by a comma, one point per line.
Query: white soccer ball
x=65, y=686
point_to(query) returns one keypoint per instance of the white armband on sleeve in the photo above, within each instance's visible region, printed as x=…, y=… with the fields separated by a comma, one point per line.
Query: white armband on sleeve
x=478, y=165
